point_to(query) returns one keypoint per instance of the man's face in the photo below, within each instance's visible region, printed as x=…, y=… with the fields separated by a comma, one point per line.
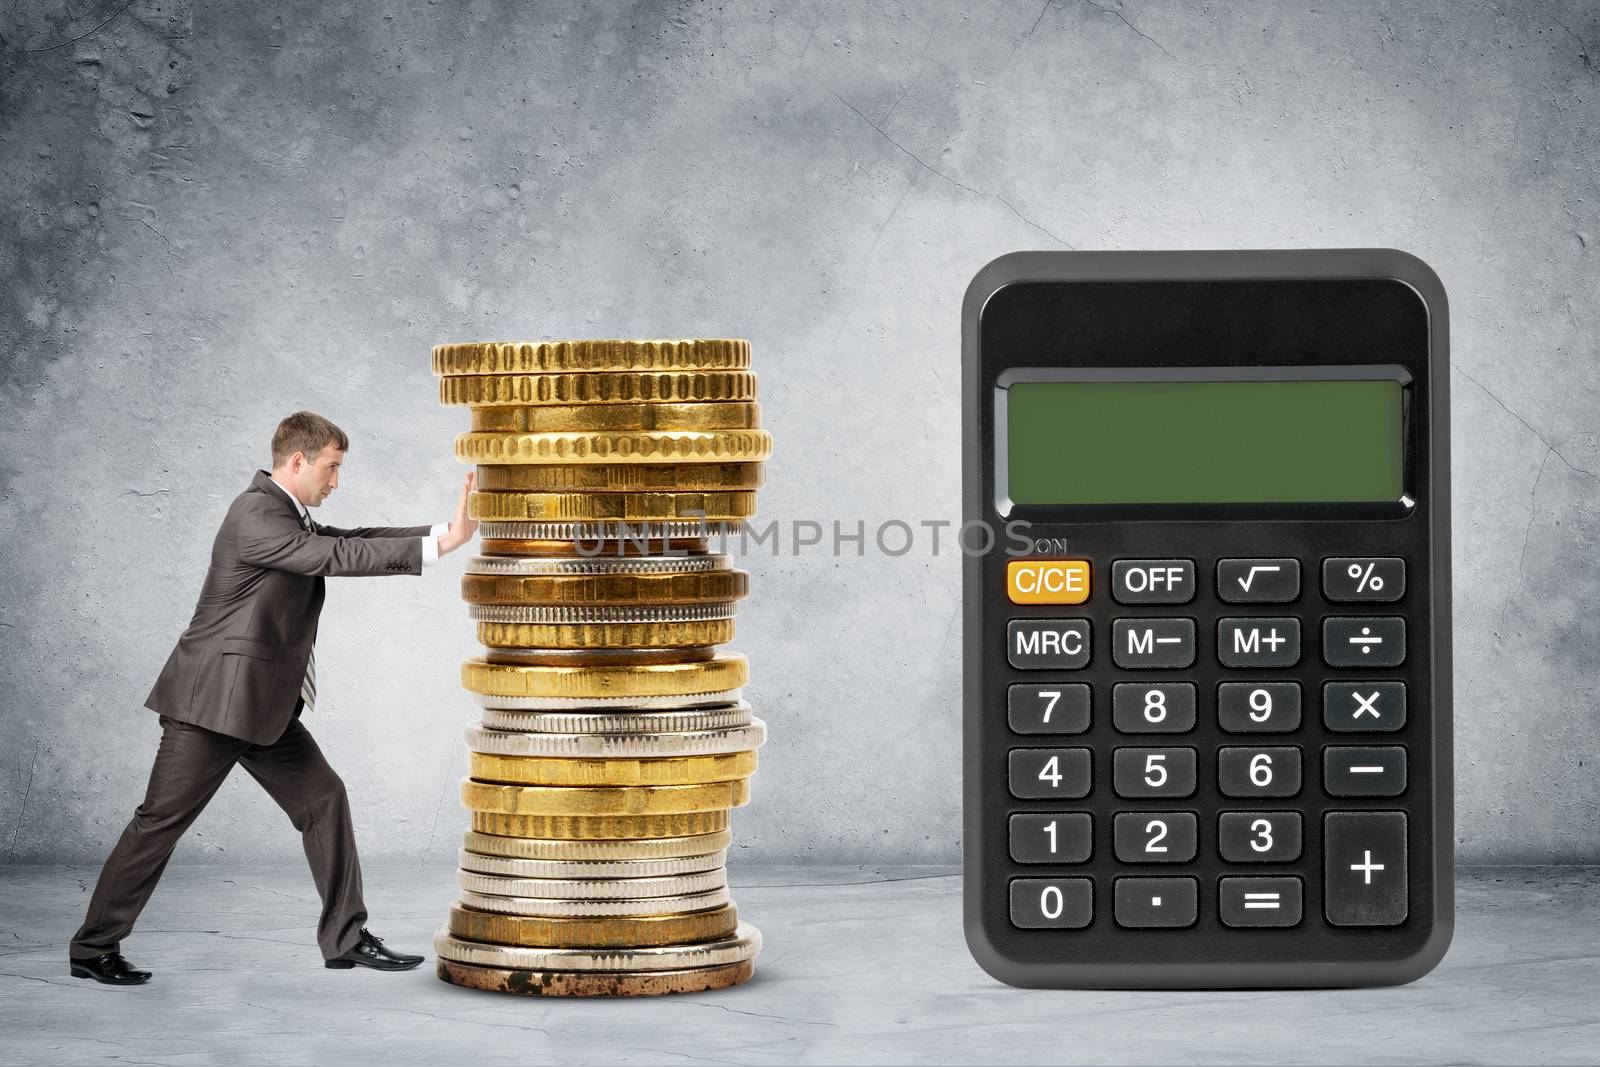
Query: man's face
x=318, y=477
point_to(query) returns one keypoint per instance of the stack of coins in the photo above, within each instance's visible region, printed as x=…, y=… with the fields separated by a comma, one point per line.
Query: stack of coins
x=613, y=742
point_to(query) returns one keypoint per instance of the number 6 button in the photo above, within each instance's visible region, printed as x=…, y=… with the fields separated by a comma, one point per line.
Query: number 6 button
x=1258, y=772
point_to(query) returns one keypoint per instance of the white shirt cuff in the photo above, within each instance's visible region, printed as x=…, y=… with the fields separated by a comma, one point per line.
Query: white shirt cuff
x=430, y=544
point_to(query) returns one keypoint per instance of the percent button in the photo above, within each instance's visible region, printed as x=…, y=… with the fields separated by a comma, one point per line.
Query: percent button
x=1347, y=579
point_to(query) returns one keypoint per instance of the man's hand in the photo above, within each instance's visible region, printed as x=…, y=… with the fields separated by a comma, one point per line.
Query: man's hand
x=461, y=526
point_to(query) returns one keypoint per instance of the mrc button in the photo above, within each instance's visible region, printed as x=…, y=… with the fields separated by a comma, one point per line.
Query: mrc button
x=1152, y=581
x=1047, y=644
x=1047, y=581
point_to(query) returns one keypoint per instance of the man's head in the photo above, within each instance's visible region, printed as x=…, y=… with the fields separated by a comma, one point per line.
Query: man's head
x=307, y=452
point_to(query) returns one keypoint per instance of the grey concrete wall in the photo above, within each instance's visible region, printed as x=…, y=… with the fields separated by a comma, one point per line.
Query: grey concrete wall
x=216, y=214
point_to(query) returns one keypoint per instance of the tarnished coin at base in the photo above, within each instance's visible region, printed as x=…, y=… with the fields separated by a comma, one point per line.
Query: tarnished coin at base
x=588, y=870
x=614, y=722
x=589, y=827
x=619, y=746
x=618, y=931
x=744, y=944
x=613, y=771
x=622, y=635
x=651, y=848
x=557, y=907
x=582, y=984
x=568, y=890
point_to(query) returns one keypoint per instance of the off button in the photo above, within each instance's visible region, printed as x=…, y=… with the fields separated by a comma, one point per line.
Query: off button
x=1047, y=581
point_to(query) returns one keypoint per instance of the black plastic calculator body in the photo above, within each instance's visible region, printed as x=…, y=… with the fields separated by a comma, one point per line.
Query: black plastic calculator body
x=1207, y=705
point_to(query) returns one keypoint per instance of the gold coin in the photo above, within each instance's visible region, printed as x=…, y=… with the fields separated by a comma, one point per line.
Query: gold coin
x=608, y=801
x=598, y=387
x=607, y=828
x=621, y=547
x=624, y=478
x=618, y=446
x=594, y=657
x=593, y=984
x=605, y=635
x=724, y=415
x=611, y=507
x=686, y=770
x=692, y=587
x=537, y=357
x=621, y=931
x=570, y=851
x=727, y=670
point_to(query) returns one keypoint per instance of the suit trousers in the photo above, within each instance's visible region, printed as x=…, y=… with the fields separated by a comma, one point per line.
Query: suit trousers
x=190, y=767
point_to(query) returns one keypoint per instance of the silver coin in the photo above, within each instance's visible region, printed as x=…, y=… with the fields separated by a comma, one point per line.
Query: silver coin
x=617, y=746
x=671, y=885
x=542, y=907
x=599, y=614
x=587, y=565
x=597, y=849
x=591, y=532
x=745, y=944
x=618, y=722
x=514, y=867
x=579, y=657
x=621, y=703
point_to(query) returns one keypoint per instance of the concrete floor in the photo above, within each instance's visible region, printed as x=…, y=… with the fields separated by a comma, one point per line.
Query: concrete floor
x=860, y=966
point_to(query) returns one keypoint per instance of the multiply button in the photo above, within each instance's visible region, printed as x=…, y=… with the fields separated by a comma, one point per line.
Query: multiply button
x=1374, y=641
x=1362, y=707
x=1152, y=643
x=1258, y=581
x=1155, y=903
x=1364, y=868
x=1259, y=902
x=1363, y=771
x=1048, y=644
x=1351, y=578
x=1258, y=642
x=1152, y=581
x=1047, y=581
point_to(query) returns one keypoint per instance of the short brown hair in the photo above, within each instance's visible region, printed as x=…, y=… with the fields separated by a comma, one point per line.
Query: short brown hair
x=307, y=432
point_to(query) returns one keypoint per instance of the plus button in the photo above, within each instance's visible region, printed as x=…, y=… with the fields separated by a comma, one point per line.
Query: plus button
x=1366, y=866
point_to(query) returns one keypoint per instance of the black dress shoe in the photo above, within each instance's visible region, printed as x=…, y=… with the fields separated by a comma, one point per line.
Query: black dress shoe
x=369, y=952
x=109, y=968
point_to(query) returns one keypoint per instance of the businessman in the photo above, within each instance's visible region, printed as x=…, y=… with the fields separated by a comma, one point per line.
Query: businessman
x=235, y=686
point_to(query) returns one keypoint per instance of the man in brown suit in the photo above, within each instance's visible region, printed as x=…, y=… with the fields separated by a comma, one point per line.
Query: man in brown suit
x=234, y=687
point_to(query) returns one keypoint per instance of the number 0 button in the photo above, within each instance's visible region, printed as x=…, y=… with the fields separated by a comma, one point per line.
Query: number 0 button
x=1052, y=903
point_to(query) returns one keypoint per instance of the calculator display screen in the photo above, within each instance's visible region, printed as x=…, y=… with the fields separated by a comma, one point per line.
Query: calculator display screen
x=1154, y=442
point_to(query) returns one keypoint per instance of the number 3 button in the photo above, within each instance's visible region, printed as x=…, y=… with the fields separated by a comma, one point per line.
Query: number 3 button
x=1259, y=836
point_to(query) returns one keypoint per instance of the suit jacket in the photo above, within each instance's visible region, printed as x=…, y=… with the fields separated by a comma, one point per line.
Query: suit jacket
x=237, y=669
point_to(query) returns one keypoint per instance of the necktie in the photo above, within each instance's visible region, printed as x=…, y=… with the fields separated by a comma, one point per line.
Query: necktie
x=308, y=688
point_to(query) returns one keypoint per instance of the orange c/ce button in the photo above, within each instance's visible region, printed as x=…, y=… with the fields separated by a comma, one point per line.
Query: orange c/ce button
x=1047, y=581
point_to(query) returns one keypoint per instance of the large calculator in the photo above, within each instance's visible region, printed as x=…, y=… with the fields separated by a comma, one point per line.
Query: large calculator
x=1207, y=710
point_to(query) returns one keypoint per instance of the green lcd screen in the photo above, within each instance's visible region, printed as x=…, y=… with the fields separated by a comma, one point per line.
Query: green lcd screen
x=1220, y=442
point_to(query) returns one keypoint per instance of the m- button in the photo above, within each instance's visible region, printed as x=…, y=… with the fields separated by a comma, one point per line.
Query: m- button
x=1047, y=581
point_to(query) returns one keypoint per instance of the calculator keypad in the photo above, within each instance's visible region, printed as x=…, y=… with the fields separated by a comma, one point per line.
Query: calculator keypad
x=1238, y=774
